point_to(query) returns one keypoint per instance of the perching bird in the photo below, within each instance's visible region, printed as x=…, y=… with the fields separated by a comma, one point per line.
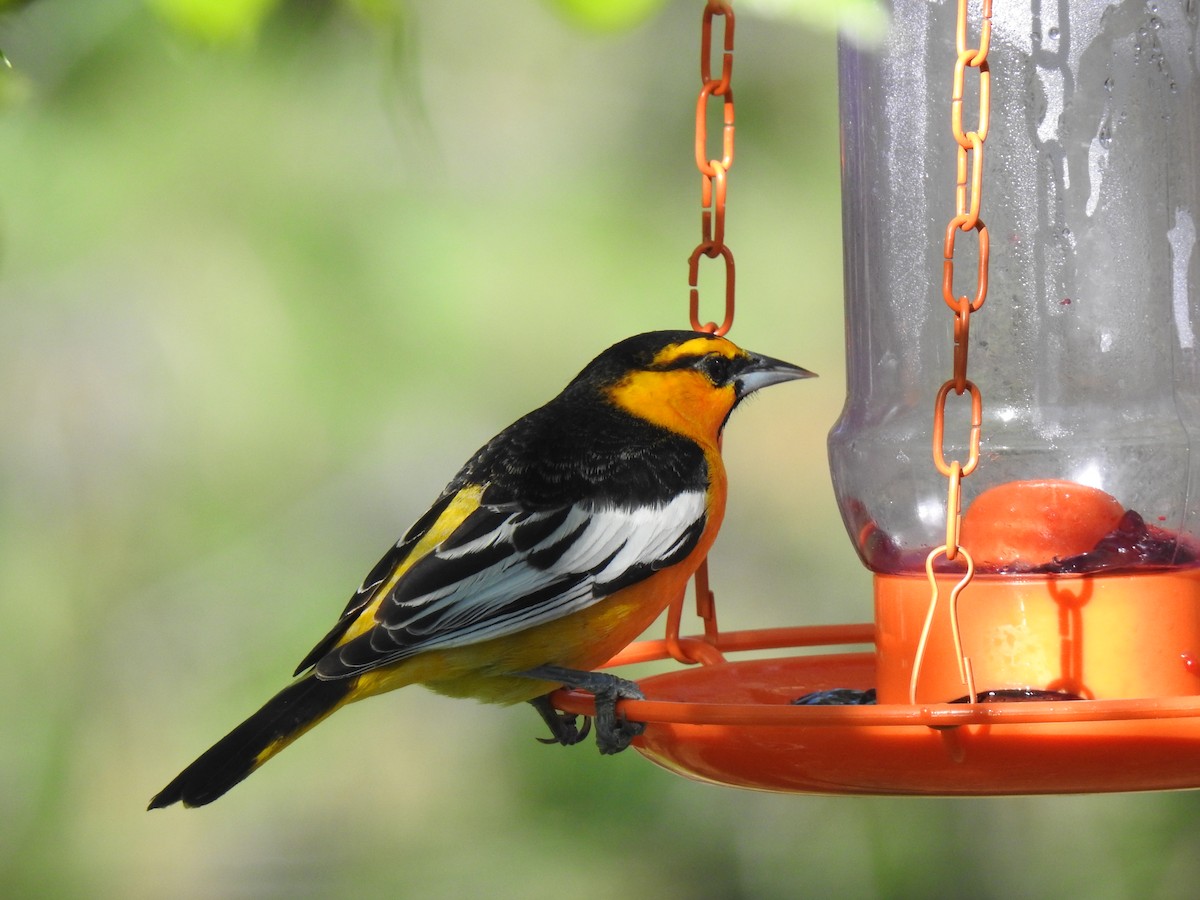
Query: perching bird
x=553, y=548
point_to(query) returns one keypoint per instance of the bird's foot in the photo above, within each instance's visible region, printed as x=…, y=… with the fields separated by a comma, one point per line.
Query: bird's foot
x=613, y=733
x=563, y=729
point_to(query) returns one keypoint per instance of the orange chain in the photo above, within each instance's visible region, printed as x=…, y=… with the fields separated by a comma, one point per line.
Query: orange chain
x=712, y=245
x=713, y=171
x=968, y=194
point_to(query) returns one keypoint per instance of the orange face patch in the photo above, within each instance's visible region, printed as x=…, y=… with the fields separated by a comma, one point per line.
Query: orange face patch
x=682, y=400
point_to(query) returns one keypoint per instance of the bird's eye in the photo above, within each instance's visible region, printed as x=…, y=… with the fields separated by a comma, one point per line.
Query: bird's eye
x=717, y=368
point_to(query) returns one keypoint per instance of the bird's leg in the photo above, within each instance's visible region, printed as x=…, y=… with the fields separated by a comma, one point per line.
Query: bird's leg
x=562, y=724
x=613, y=734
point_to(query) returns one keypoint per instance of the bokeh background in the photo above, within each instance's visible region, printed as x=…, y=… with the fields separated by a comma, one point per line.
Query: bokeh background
x=269, y=271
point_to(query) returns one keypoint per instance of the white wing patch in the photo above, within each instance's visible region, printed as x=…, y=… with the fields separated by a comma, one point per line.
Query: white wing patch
x=518, y=569
x=642, y=537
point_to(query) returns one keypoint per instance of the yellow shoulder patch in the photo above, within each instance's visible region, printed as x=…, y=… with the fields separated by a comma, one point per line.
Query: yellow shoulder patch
x=465, y=502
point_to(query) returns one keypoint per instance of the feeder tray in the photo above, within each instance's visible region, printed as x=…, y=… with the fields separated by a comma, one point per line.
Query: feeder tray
x=1125, y=642
x=734, y=723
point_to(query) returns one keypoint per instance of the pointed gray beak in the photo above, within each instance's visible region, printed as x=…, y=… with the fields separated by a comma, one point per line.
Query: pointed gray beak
x=764, y=371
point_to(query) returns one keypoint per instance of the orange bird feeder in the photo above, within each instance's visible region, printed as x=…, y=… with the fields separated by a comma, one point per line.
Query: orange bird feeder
x=1037, y=583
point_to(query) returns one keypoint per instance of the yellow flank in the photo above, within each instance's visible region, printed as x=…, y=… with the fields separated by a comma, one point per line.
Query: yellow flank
x=583, y=640
x=464, y=503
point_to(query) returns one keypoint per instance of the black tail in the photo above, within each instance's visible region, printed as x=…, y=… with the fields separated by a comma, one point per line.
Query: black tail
x=284, y=718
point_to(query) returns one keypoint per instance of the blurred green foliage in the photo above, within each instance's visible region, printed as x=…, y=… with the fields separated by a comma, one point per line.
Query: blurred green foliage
x=259, y=296
x=607, y=16
x=228, y=21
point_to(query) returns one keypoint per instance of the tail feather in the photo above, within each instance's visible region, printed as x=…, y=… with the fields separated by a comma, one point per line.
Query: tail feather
x=284, y=718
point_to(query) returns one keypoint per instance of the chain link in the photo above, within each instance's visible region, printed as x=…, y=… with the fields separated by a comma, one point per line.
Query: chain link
x=713, y=185
x=713, y=171
x=968, y=194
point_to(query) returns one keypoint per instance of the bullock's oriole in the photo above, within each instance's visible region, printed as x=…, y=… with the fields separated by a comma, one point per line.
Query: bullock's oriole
x=553, y=548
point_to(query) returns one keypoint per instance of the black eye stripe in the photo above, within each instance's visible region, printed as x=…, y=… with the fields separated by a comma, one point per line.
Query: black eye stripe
x=718, y=368
x=680, y=362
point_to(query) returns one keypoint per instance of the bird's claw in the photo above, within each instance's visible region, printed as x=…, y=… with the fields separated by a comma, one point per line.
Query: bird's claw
x=563, y=729
x=613, y=733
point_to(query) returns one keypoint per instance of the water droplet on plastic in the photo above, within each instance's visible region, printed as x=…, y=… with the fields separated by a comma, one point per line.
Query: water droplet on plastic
x=1190, y=663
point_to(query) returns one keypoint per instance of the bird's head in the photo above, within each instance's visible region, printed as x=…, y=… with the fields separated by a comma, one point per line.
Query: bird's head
x=686, y=381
